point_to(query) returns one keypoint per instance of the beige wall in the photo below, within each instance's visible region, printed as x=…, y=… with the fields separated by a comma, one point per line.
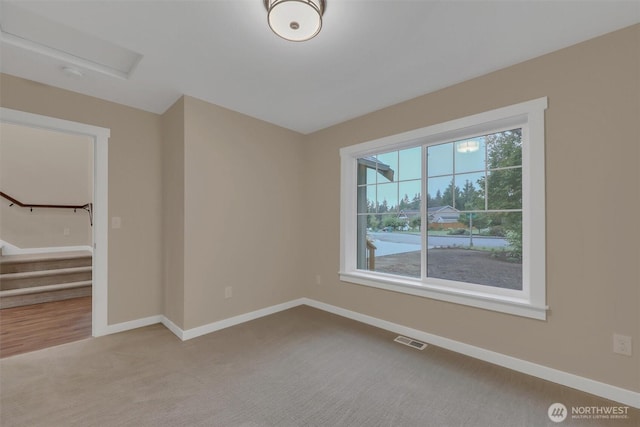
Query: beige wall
x=243, y=213
x=232, y=213
x=40, y=166
x=173, y=212
x=134, y=188
x=593, y=191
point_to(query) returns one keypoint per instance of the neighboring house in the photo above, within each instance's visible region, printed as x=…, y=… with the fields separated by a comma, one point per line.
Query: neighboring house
x=406, y=215
x=443, y=214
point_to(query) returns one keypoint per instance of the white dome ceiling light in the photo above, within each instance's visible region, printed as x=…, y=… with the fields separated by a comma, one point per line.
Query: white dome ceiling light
x=295, y=20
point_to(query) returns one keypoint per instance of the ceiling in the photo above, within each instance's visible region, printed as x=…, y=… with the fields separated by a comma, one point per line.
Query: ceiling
x=369, y=55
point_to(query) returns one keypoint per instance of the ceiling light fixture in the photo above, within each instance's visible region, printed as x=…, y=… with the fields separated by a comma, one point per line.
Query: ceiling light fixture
x=467, y=146
x=295, y=20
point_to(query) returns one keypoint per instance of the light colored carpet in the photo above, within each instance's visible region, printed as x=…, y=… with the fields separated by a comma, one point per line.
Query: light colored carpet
x=300, y=367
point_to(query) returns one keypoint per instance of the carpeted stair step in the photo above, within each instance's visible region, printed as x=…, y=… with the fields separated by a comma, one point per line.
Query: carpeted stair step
x=38, y=278
x=29, y=279
x=40, y=294
x=50, y=261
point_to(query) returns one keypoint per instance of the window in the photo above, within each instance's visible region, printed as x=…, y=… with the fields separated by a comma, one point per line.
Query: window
x=453, y=211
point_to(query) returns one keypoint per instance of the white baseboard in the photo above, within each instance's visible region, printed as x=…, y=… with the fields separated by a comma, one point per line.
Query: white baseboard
x=597, y=388
x=173, y=327
x=132, y=324
x=231, y=321
x=607, y=391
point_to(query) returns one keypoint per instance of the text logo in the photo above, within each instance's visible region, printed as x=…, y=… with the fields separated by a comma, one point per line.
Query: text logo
x=557, y=412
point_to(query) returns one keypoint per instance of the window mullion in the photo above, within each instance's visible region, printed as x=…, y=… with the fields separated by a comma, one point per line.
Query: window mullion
x=453, y=176
x=424, y=216
x=486, y=176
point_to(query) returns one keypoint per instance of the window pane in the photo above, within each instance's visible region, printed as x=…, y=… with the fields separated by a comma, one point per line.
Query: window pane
x=463, y=245
x=491, y=256
x=410, y=196
x=504, y=149
x=440, y=191
x=394, y=251
x=372, y=170
x=470, y=155
x=388, y=197
x=372, y=175
x=504, y=189
x=440, y=159
x=367, y=199
x=469, y=191
x=388, y=167
x=361, y=235
x=442, y=217
x=410, y=166
x=374, y=223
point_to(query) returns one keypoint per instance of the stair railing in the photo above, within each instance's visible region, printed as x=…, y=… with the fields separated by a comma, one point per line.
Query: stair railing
x=88, y=207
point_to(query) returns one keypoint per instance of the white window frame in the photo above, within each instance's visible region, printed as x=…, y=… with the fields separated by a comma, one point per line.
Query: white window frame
x=528, y=302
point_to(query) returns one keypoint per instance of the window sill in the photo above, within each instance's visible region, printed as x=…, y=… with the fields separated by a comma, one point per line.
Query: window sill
x=516, y=306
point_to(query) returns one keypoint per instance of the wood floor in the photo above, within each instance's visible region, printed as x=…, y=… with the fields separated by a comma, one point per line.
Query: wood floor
x=38, y=326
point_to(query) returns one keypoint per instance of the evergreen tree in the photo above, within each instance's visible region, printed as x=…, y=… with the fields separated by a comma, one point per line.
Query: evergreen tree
x=470, y=198
x=438, y=199
x=504, y=186
x=404, y=203
x=415, y=203
x=448, y=195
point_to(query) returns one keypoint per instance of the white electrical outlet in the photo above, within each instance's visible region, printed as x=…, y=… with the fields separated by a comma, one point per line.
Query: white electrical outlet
x=318, y=279
x=66, y=231
x=228, y=292
x=622, y=344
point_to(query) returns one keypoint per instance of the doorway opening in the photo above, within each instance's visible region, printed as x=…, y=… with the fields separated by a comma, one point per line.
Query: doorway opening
x=94, y=212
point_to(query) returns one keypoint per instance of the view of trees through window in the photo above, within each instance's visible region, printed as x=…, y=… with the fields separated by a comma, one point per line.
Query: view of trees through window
x=473, y=209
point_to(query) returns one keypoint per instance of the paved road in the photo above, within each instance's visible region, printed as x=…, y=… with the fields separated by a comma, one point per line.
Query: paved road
x=396, y=243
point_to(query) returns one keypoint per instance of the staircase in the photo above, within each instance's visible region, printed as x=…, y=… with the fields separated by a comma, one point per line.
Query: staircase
x=37, y=278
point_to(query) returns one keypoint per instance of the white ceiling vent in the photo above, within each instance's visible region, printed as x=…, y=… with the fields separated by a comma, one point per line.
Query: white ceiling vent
x=26, y=30
x=410, y=342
